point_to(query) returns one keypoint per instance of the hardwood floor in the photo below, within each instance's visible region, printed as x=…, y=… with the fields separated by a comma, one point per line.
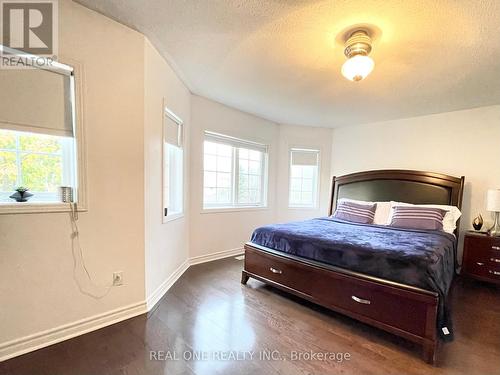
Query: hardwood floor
x=208, y=312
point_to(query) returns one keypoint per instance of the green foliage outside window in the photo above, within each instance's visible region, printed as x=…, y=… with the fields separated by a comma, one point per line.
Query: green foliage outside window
x=39, y=143
x=8, y=170
x=38, y=157
x=7, y=140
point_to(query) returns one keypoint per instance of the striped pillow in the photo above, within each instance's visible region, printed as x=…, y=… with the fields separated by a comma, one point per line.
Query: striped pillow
x=357, y=213
x=414, y=217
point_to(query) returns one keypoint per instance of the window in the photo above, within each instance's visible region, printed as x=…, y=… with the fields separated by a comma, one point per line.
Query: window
x=304, y=165
x=235, y=172
x=41, y=162
x=173, y=166
x=38, y=143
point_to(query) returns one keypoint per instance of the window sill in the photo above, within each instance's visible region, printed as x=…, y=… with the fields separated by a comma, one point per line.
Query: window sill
x=172, y=217
x=217, y=210
x=35, y=207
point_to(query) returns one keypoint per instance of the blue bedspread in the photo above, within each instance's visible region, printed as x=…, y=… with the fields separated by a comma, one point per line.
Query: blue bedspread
x=425, y=259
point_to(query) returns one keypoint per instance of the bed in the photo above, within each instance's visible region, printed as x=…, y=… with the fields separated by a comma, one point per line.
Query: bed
x=394, y=279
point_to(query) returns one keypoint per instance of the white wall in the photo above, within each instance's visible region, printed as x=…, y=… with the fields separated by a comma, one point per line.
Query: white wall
x=457, y=143
x=37, y=289
x=167, y=244
x=229, y=230
x=124, y=83
x=214, y=232
x=302, y=137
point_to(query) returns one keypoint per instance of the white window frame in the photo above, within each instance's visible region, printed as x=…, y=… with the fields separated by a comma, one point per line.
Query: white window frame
x=263, y=168
x=75, y=70
x=67, y=157
x=236, y=143
x=316, y=191
x=167, y=113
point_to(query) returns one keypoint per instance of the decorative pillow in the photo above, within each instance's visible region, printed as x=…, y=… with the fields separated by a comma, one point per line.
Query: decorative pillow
x=381, y=212
x=414, y=217
x=354, y=212
x=450, y=217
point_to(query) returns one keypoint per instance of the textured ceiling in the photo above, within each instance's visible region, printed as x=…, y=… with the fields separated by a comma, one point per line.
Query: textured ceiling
x=281, y=59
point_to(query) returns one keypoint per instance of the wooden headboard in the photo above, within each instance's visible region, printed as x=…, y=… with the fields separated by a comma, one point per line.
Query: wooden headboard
x=398, y=185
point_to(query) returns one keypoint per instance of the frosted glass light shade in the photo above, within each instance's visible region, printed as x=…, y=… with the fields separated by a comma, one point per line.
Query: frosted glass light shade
x=493, y=200
x=357, y=67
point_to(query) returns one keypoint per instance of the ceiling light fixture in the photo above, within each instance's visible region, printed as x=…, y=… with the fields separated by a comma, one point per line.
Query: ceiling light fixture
x=357, y=48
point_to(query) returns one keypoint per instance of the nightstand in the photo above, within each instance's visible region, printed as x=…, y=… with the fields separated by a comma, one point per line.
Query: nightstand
x=482, y=257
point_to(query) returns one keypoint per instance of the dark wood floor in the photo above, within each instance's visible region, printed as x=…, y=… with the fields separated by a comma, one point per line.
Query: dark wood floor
x=208, y=311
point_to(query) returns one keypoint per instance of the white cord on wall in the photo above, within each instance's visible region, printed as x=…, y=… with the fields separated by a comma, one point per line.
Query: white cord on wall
x=79, y=268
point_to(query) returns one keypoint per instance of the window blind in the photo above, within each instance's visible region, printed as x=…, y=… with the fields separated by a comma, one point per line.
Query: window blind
x=304, y=157
x=173, y=129
x=234, y=142
x=37, y=101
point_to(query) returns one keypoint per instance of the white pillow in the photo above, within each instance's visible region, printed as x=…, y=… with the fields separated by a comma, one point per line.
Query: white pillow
x=449, y=220
x=381, y=212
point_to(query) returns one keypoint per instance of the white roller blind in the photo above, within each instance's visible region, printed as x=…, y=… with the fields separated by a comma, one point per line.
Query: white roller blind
x=173, y=129
x=304, y=157
x=37, y=101
x=234, y=142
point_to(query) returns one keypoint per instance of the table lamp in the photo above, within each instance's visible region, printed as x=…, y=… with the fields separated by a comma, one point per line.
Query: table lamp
x=493, y=204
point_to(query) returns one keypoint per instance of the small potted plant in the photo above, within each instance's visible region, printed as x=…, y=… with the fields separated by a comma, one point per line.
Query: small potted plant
x=21, y=194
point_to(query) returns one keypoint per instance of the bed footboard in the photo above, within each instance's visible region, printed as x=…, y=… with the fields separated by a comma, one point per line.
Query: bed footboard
x=399, y=309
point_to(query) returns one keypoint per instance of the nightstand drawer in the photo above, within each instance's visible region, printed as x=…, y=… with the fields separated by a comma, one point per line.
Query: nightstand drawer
x=484, y=270
x=482, y=246
x=494, y=274
x=485, y=258
x=495, y=250
x=494, y=261
x=482, y=257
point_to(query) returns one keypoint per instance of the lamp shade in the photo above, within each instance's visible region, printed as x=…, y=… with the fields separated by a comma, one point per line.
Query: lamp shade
x=493, y=200
x=357, y=67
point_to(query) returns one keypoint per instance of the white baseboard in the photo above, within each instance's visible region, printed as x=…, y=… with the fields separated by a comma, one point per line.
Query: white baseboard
x=153, y=299
x=42, y=339
x=215, y=256
x=64, y=332
x=165, y=286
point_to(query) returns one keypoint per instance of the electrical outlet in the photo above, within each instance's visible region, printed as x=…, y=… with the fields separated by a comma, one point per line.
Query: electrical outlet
x=117, y=278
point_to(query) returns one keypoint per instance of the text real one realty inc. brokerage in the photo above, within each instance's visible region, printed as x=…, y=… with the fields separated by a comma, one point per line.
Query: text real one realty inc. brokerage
x=234, y=355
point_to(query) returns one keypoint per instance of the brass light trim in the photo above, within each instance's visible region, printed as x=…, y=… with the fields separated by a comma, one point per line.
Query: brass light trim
x=359, y=43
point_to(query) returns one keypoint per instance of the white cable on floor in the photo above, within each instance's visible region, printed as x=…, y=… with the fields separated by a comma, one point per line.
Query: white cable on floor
x=76, y=251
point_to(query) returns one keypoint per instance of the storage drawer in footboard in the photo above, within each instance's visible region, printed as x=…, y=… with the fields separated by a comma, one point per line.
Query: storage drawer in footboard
x=395, y=307
x=279, y=270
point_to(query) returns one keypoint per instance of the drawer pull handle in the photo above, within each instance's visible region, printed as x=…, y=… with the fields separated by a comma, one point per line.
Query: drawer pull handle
x=275, y=270
x=495, y=273
x=495, y=247
x=496, y=260
x=360, y=300
x=480, y=263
